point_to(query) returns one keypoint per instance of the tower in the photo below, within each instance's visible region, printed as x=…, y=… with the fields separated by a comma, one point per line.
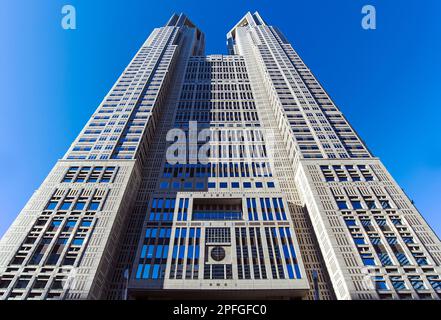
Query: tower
x=219, y=176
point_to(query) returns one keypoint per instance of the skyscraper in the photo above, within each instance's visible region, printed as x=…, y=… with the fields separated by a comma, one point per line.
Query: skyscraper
x=220, y=176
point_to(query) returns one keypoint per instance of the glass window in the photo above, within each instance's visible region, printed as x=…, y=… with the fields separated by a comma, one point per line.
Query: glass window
x=80, y=205
x=342, y=205
x=86, y=223
x=199, y=185
x=188, y=185
x=235, y=185
x=385, y=204
x=270, y=184
x=94, y=205
x=398, y=284
x=371, y=204
x=51, y=205
x=356, y=205
x=78, y=241
x=368, y=260
x=380, y=284
x=176, y=185
x=211, y=185
x=223, y=185
x=66, y=205
x=417, y=283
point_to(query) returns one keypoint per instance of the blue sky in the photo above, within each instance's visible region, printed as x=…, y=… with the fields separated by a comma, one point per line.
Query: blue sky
x=386, y=81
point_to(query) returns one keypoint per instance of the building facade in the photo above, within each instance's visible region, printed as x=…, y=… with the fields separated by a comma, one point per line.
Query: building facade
x=219, y=176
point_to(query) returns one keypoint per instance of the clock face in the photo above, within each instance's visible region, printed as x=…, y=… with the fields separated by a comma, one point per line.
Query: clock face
x=217, y=253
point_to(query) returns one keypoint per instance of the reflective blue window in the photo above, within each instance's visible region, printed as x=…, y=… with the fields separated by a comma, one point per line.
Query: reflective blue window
x=155, y=273
x=188, y=185
x=385, y=204
x=78, y=241
x=399, y=285
x=381, y=285
x=342, y=205
x=139, y=271
x=359, y=240
x=65, y=206
x=368, y=260
x=149, y=252
x=356, y=205
x=146, y=272
x=94, y=205
x=86, y=223
x=176, y=185
x=247, y=185
x=79, y=206
x=199, y=185
x=158, y=254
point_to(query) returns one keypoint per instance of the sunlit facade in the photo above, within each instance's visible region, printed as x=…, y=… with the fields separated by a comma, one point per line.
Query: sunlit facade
x=221, y=177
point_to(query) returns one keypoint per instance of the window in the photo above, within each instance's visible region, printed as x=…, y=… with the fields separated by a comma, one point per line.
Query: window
x=199, y=185
x=86, y=223
x=55, y=224
x=163, y=185
x=356, y=205
x=421, y=261
x=21, y=283
x=94, y=205
x=342, y=205
x=398, y=283
x=78, y=241
x=270, y=184
x=223, y=185
x=176, y=185
x=79, y=205
x=368, y=260
x=247, y=185
x=211, y=185
x=70, y=224
x=51, y=205
x=259, y=185
x=188, y=185
x=235, y=185
x=380, y=283
x=385, y=204
x=434, y=282
x=217, y=209
x=66, y=205
x=350, y=222
x=371, y=204
x=417, y=283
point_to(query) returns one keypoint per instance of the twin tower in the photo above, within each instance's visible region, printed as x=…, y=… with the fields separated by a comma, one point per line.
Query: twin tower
x=287, y=201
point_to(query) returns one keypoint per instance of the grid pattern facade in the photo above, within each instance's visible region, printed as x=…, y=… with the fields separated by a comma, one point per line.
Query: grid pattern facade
x=287, y=202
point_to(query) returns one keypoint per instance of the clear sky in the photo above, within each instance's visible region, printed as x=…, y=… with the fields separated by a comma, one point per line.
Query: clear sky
x=386, y=81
